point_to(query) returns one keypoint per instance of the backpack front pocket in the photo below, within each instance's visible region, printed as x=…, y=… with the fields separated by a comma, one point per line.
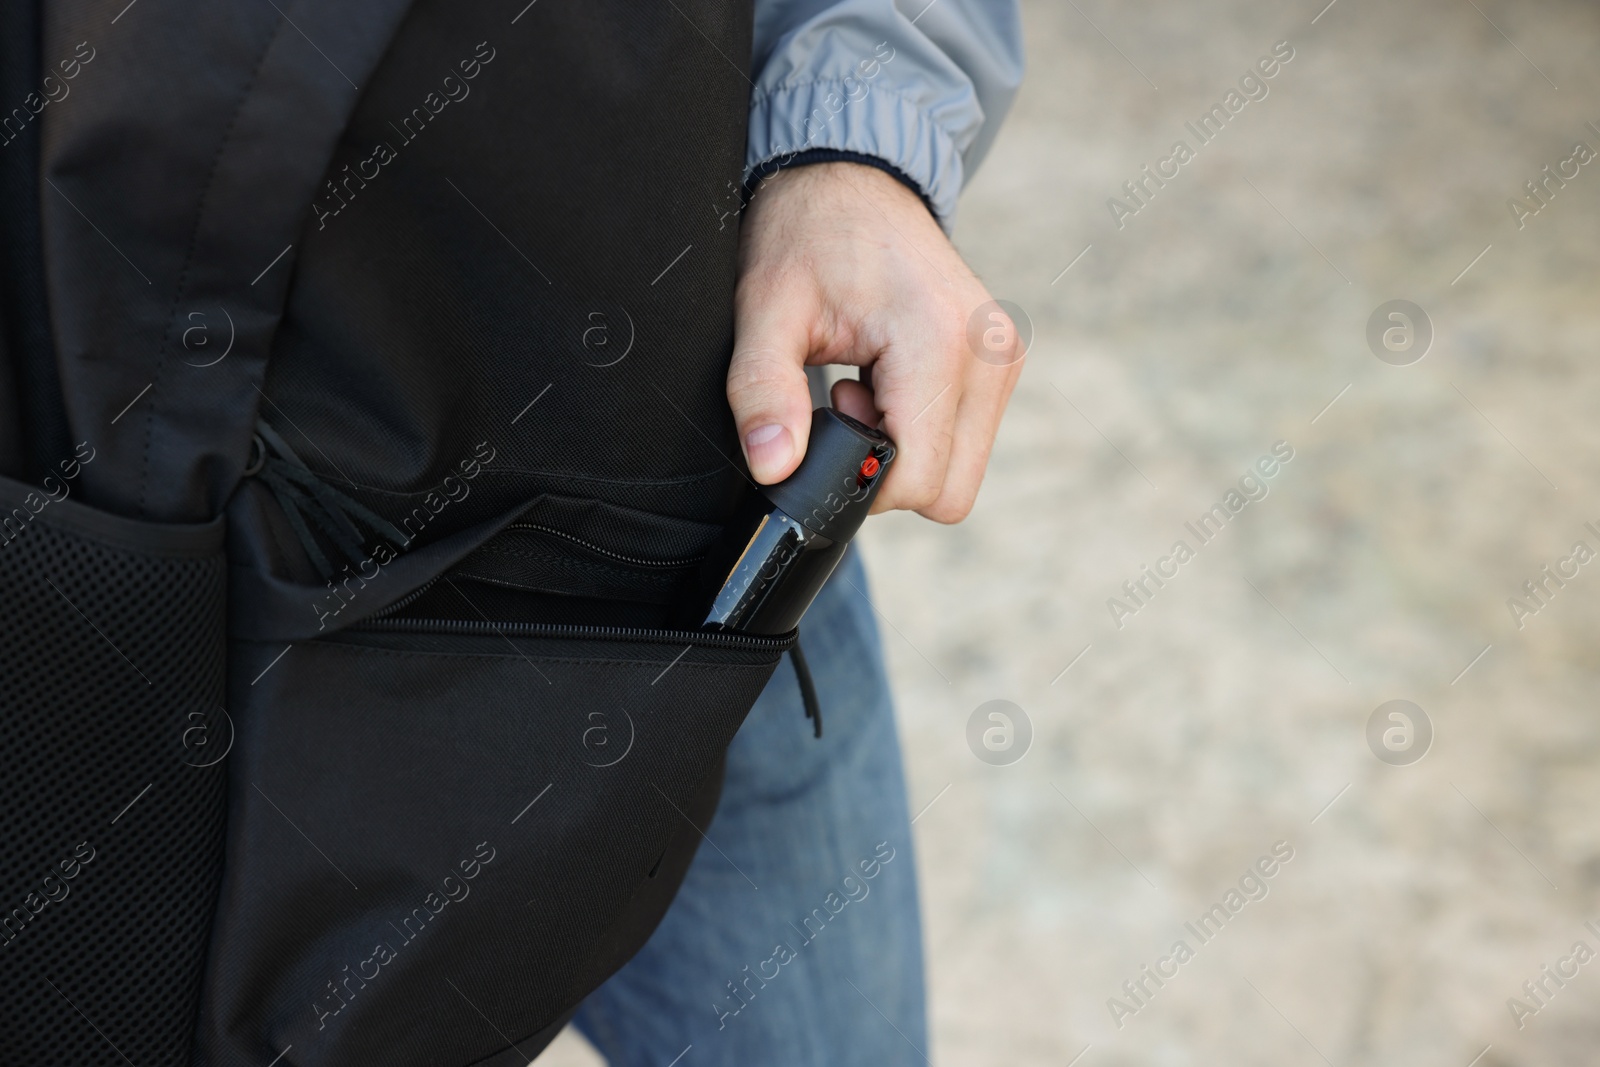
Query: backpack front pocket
x=444, y=834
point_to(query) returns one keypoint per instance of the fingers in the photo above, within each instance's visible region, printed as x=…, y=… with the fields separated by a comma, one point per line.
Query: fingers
x=944, y=435
x=977, y=423
x=923, y=440
x=767, y=380
x=917, y=382
x=855, y=399
x=990, y=375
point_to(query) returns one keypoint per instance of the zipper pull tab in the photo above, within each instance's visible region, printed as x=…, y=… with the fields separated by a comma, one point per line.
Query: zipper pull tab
x=808, y=689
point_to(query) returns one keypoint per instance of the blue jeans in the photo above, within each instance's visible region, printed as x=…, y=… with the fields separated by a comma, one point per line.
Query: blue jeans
x=796, y=940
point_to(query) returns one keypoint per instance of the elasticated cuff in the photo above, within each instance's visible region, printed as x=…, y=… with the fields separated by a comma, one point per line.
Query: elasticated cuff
x=881, y=126
x=833, y=155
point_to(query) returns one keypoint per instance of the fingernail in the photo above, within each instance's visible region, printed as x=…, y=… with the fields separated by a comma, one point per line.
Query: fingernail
x=768, y=449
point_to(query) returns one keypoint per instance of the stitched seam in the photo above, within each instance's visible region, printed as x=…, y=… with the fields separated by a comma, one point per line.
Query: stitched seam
x=588, y=565
x=188, y=260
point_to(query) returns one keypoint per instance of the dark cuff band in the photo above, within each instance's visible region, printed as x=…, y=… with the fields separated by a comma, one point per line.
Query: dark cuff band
x=832, y=155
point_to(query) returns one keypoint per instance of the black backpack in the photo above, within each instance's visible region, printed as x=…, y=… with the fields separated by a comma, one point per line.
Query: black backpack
x=362, y=418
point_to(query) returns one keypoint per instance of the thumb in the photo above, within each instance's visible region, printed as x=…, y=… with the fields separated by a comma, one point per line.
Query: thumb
x=767, y=386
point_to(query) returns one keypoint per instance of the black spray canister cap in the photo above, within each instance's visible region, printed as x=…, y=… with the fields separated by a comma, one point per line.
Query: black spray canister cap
x=832, y=490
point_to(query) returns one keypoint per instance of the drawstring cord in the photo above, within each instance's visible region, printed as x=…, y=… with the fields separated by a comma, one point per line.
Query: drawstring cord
x=303, y=496
x=808, y=689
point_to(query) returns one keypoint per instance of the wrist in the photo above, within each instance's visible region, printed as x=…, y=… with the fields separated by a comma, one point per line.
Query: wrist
x=825, y=195
x=819, y=156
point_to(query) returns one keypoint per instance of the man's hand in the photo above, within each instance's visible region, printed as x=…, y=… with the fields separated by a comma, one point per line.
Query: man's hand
x=841, y=263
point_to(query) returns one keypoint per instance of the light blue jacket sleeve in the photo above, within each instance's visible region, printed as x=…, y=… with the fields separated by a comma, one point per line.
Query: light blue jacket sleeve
x=922, y=86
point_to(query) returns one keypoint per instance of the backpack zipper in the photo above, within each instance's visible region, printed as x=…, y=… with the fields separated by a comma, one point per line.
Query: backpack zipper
x=417, y=593
x=384, y=621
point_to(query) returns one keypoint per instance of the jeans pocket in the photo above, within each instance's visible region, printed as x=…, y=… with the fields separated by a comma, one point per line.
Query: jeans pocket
x=444, y=834
x=112, y=659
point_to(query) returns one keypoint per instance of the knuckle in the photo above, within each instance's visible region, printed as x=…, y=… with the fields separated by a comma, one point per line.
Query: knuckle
x=1007, y=349
x=949, y=508
x=920, y=490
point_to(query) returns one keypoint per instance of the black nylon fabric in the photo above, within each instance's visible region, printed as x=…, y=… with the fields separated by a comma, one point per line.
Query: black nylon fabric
x=178, y=171
x=492, y=342
x=507, y=253
x=439, y=844
x=524, y=314
x=33, y=423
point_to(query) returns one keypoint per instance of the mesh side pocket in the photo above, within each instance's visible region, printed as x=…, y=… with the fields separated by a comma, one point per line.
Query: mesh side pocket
x=111, y=783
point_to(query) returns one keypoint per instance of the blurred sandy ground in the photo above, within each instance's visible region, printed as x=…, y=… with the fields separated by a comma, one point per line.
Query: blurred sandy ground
x=1220, y=719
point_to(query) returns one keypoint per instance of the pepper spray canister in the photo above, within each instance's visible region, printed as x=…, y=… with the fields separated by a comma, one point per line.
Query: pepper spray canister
x=785, y=539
